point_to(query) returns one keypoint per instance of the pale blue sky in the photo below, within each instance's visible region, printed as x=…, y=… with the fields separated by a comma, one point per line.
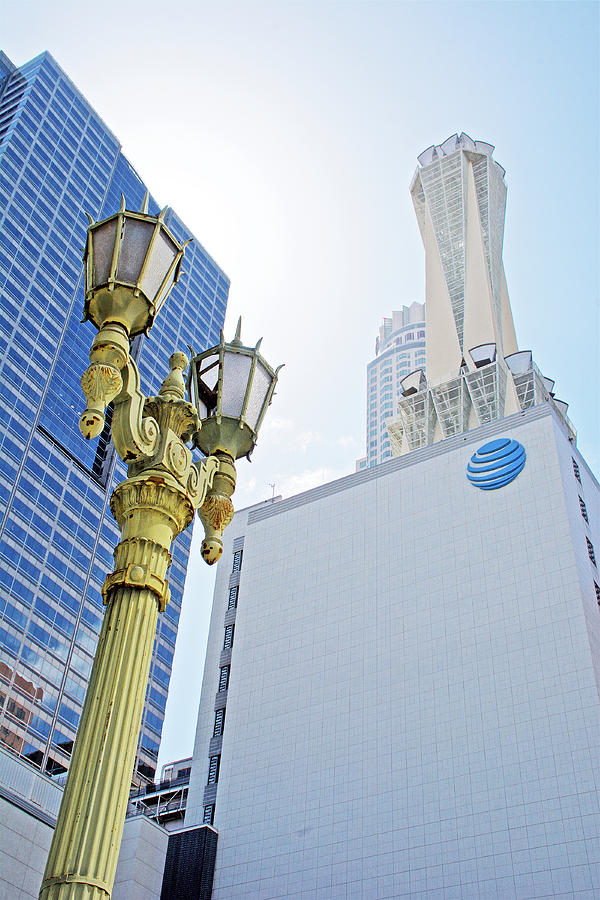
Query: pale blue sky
x=286, y=135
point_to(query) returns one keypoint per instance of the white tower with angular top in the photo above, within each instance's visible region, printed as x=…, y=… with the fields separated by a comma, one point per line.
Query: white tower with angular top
x=475, y=373
x=459, y=195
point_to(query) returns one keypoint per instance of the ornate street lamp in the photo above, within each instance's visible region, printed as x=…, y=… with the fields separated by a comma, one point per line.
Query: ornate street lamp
x=131, y=263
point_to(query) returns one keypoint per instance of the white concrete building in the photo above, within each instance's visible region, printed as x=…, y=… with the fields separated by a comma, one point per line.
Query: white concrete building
x=400, y=697
x=399, y=350
x=408, y=672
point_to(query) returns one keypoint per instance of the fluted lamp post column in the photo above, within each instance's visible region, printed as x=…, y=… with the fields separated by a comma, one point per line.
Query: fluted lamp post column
x=132, y=262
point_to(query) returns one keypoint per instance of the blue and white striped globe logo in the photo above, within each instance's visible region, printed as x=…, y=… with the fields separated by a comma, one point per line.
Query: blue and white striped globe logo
x=496, y=464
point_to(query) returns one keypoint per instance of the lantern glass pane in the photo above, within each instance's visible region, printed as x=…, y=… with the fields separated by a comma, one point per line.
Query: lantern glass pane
x=208, y=371
x=258, y=393
x=134, y=246
x=201, y=408
x=103, y=239
x=164, y=252
x=168, y=285
x=236, y=368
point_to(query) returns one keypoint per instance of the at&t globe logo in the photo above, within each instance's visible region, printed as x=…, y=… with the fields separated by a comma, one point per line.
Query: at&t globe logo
x=496, y=464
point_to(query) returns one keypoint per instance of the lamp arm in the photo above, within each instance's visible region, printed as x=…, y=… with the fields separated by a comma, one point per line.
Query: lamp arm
x=134, y=435
x=200, y=479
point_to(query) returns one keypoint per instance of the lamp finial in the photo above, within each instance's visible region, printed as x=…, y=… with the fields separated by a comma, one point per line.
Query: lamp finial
x=237, y=341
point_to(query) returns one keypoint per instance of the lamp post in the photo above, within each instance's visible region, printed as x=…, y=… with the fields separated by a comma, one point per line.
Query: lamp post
x=131, y=263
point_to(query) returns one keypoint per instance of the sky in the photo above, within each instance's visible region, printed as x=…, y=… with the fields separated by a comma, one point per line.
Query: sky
x=285, y=135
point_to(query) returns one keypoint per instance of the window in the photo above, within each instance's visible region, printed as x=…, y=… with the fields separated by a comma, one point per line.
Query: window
x=590, y=548
x=213, y=769
x=224, y=678
x=420, y=334
x=576, y=472
x=583, y=509
x=219, y=721
x=233, y=597
x=410, y=336
x=237, y=561
x=597, y=588
x=209, y=814
x=228, y=642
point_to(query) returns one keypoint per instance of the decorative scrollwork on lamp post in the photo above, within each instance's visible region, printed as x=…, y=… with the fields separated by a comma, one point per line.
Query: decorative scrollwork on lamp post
x=132, y=261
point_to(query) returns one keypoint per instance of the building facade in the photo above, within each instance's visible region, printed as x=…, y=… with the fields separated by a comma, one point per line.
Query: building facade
x=58, y=160
x=404, y=700
x=474, y=372
x=399, y=350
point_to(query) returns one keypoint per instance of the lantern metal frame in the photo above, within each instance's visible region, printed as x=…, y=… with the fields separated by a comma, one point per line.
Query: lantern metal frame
x=120, y=305
x=221, y=432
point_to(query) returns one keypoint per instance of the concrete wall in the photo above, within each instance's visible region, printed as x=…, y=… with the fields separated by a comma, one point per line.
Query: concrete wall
x=24, y=845
x=141, y=860
x=28, y=806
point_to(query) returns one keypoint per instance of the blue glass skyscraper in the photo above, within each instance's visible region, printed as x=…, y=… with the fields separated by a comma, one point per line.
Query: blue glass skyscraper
x=58, y=160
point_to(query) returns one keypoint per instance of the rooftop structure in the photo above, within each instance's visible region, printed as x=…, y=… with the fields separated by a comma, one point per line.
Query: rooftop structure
x=474, y=373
